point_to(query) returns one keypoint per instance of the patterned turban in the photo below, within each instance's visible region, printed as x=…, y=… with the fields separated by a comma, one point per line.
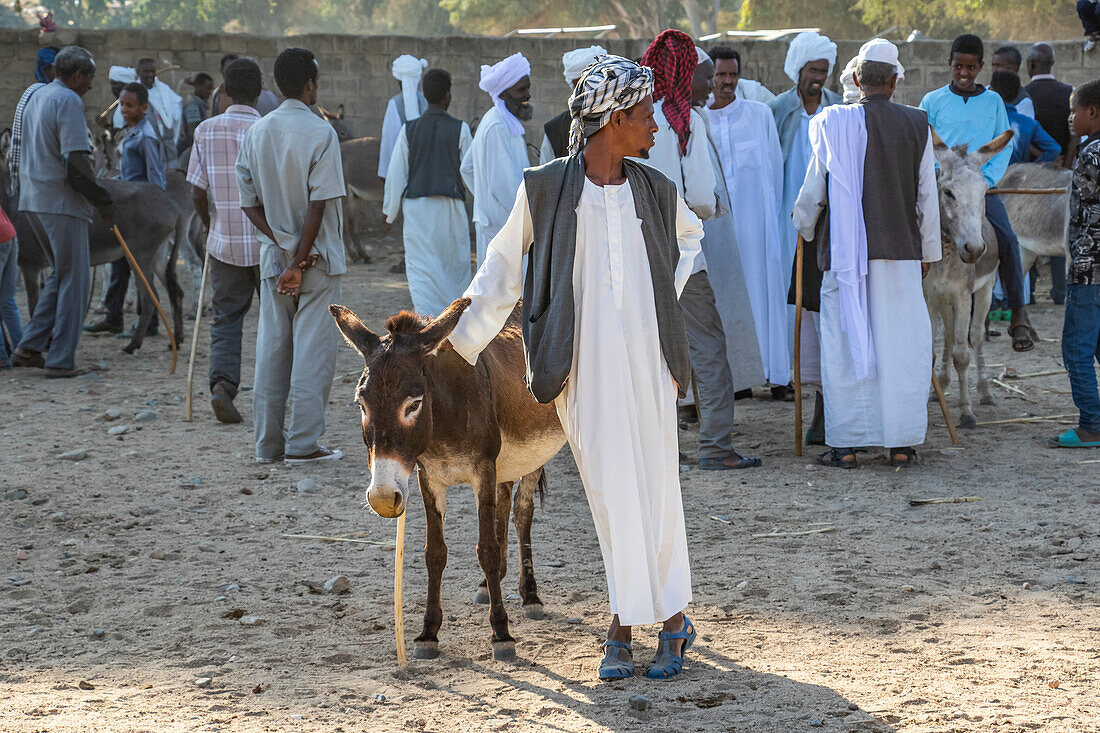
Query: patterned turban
x=611, y=83
x=673, y=59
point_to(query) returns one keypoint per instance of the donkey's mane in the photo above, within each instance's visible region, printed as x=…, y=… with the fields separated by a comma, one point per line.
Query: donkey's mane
x=406, y=323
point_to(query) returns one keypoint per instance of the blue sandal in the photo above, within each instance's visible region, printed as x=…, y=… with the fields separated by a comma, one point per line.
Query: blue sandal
x=1070, y=439
x=613, y=668
x=719, y=464
x=666, y=664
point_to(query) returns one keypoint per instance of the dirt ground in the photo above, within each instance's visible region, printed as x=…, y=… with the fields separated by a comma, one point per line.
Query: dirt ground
x=140, y=559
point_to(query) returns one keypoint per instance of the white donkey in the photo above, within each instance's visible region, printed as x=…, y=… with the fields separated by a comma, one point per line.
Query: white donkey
x=1040, y=221
x=959, y=288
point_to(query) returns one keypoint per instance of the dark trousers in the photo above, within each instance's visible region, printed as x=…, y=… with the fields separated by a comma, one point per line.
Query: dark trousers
x=1090, y=18
x=1008, y=248
x=115, y=298
x=233, y=287
x=1081, y=351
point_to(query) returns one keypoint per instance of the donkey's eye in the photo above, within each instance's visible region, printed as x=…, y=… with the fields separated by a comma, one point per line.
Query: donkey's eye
x=413, y=406
x=948, y=194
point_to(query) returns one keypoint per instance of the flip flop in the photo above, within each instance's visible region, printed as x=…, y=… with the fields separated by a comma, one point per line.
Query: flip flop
x=1070, y=439
x=719, y=464
x=613, y=668
x=666, y=664
x=1020, y=344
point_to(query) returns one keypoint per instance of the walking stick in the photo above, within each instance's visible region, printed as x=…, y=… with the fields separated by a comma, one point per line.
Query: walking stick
x=398, y=589
x=798, y=348
x=943, y=405
x=195, y=334
x=148, y=289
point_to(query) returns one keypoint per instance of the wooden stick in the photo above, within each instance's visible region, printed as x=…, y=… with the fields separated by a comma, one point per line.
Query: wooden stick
x=1056, y=372
x=1027, y=419
x=195, y=336
x=942, y=399
x=1049, y=191
x=798, y=348
x=398, y=591
x=771, y=535
x=947, y=500
x=149, y=289
x=1010, y=388
x=723, y=520
x=335, y=539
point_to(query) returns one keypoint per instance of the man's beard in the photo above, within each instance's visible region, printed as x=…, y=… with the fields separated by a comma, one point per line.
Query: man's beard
x=643, y=153
x=522, y=110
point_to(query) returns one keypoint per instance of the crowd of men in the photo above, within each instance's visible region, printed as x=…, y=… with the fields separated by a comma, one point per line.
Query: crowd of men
x=654, y=250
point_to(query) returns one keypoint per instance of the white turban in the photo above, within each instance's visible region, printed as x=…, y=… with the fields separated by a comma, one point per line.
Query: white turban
x=496, y=79
x=807, y=47
x=575, y=62
x=701, y=55
x=848, y=81
x=408, y=70
x=122, y=74
x=882, y=51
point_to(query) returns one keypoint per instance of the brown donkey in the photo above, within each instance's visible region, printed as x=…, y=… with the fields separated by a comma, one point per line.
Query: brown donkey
x=423, y=406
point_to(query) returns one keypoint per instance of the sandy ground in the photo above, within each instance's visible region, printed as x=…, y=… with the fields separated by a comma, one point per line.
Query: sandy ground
x=954, y=617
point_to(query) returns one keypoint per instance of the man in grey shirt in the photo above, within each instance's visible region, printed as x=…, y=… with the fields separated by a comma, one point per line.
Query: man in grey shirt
x=57, y=187
x=290, y=177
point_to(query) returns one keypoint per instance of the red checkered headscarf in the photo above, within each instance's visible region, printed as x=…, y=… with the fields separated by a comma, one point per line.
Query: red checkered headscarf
x=673, y=59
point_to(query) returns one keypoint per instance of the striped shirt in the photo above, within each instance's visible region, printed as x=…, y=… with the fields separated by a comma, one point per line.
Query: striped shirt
x=213, y=168
x=17, y=137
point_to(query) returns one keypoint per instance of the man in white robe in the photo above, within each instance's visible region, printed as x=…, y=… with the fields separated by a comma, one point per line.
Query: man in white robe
x=872, y=163
x=555, y=139
x=493, y=166
x=403, y=107
x=752, y=165
x=611, y=246
x=424, y=178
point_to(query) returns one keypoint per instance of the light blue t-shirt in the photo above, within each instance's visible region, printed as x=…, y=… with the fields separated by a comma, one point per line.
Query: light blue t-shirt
x=973, y=121
x=53, y=127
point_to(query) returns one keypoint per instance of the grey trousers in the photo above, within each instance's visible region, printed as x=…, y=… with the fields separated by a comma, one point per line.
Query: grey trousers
x=295, y=362
x=233, y=287
x=59, y=315
x=707, y=345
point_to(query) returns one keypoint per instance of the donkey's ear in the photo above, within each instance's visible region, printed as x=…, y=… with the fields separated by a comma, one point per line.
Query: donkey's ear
x=339, y=111
x=939, y=147
x=324, y=112
x=433, y=334
x=358, y=336
x=994, y=146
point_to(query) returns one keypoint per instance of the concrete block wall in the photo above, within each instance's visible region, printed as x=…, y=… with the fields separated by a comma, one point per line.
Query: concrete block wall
x=356, y=69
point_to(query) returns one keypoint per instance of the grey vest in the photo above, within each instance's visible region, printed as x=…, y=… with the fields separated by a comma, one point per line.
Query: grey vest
x=399, y=103
x=433, y=156
x=553, y=192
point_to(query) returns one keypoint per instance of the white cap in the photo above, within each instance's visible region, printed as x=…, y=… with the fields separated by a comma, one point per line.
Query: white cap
x=882, y=51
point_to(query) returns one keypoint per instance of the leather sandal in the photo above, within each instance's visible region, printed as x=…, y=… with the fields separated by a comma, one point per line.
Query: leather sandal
x=909, y=460
x=666, y=664
x=834, y=458
x=33, y=360
x=611, y=666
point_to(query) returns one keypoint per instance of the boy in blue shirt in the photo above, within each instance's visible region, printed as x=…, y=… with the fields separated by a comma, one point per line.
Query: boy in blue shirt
x=1081, y=330
x=966, y=113
x=139, y=160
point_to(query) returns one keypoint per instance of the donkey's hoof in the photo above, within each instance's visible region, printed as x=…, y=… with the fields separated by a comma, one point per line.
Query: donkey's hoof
x=968, y=422
x=482, y=596
x=504, y=651
x=533, y=611
x=426, y=649
x=988, y=400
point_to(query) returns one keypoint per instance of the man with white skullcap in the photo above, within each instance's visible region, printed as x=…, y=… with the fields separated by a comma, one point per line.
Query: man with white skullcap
x=610, y=246
x=493, y=166
x=555, y=143
x=872, y=171
x=810, y=60
x=408, y=105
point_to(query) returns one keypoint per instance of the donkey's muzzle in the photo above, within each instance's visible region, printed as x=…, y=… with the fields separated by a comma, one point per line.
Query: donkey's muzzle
x=388, y=487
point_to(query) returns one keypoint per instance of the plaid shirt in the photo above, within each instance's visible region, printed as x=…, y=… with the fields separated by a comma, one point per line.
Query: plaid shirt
x=17, y=137
x=1084, y=216
x=213, y=168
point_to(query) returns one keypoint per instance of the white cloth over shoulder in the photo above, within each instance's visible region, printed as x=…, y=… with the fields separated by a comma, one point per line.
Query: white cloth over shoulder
x=408, y=69
x=576, y=61
x=848, y=81
x=618, y=408
x=806, y=47
x=496, y=79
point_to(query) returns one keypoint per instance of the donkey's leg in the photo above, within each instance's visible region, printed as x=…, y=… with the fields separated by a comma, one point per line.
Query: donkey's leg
x=959, y=330
x=488, y=554
x=504, y=508
x=945, y=316
x=522, y=514
x=148, y=311
x=982, y=298
x=434, y=495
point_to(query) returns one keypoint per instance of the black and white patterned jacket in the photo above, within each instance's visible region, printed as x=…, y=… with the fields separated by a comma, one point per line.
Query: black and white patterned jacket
x=1084, y=216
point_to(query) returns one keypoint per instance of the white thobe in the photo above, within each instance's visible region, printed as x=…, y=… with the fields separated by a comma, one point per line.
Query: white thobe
x=752, y=164
x=493, y=170
x=889, y=408
x=618, y=406
x=436, y=233
x=546, y=151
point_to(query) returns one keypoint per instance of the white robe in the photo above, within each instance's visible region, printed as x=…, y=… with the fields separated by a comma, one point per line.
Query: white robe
x=752, y=164
x=493, y=170
x=618, y=408
x=436, y=232
x=546, y=151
